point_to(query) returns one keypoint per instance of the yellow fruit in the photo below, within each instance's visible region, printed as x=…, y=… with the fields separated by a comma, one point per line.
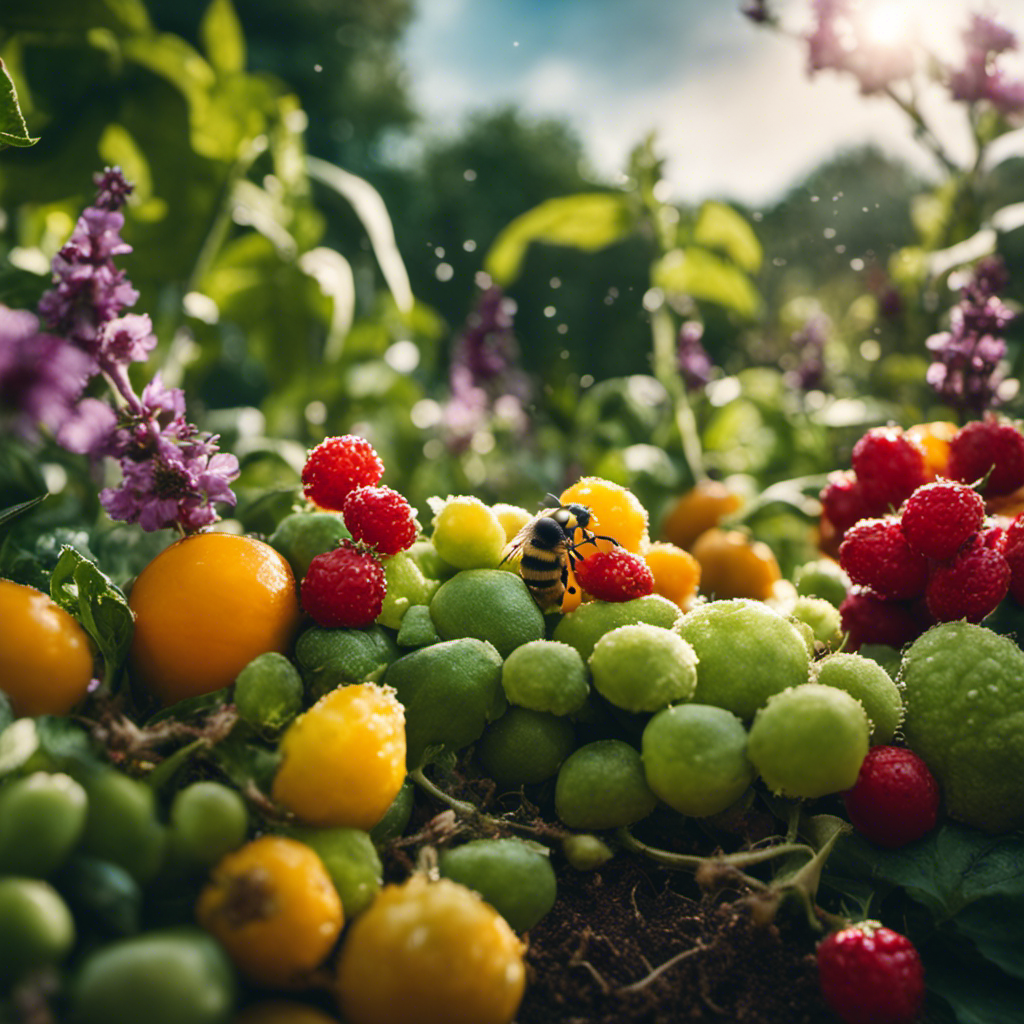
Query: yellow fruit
x=512, y=518
x=934, y=438
x=467, y=533
x=430, y=953
x=343, y=761
x=616, y=511
x=45, y=655
x=734, y=565
x=204, y=608
x=705, y=505
x=282, y=1011
x=272, y=906
x=676, y=572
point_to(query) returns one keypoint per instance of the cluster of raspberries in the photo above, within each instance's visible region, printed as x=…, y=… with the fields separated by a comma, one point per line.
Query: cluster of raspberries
x=922, y=551
x=346, y=586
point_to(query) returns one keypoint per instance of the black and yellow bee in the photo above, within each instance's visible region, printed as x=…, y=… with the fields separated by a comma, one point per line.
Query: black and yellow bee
x=547, y=549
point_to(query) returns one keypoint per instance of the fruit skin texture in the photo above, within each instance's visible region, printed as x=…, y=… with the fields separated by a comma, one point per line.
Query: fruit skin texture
x=870, y=974
x=988, y=444
x=380, y=517
x=870, y=620
x=970, y=586
x=889, y=465
x=343, y=761
x=272, y=905
x=204, y=608
x=939, y=517
x=676, y=572
x=732, y=565
x=700, y=508
x=875, y=554
x=344, y=588
x=45, y=655
x=963, y=687
x=895, y=799
x=616, y=575
x=616, y=511
x=336, y=466
x=430, y=953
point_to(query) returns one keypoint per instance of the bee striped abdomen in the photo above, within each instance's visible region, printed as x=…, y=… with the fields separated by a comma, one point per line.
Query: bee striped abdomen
x=543, y=572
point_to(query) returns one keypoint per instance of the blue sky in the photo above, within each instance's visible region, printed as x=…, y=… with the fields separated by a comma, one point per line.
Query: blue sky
x=735, y=114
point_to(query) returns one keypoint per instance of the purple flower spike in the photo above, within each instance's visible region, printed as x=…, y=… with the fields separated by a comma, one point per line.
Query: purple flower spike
x=694, y=362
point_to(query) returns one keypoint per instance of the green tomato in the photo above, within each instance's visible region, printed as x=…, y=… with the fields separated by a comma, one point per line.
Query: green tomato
x=103, y=896
x=42, y=817
x=524, y=747
x=328, y=658
x=602, y=785
x=301, y=536
x=268, y=692
x=173, y=976
x=208, y=820
x=36, y=927
x=352, y=862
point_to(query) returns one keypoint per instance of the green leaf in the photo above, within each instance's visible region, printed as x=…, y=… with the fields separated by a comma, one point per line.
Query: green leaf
x=13, y=130
x=588, y=221
x=721, y=227
x=222, y=38
x=702, y=275
x=81, y=589
x=12, y=511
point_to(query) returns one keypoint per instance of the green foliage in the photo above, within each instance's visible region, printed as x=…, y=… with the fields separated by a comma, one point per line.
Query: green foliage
x=13, y=130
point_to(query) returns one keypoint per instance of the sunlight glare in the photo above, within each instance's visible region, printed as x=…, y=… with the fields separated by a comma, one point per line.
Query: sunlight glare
x=887, y=24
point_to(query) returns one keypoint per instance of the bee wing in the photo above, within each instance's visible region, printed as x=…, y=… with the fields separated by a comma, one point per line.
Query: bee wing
x=514, y=546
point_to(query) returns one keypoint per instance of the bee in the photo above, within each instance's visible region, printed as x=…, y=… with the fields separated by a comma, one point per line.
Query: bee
x=547, y=549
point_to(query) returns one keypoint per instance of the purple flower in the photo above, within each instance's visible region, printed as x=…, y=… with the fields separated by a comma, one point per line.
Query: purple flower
x=694, y=362
x=987, y=35
x=979, y=78
x=967, y=366
x=112, y=189
x=809, y=354
x=41, y=377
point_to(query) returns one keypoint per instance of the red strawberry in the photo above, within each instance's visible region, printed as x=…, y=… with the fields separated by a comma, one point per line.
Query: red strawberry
x=870, y=974
x=969, y=586
x=843, y=501
x=938, y=517
x=890, y=466
x=867, y=619
x=344, y=587
x=876, y=554
x=380, y=517
x=338, y=465
x=1014, y=553
x=616, y=575
x=895, y=799
x=990, y=444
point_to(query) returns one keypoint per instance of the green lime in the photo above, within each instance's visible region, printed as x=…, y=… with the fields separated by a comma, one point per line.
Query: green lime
x=695, y=758
x=450, y=691
x=545, y=675
x=963, y=687
x=602, y=785
x=417, y=628
x=745, y=653
x=36, y=927
x=208, y=820
x=406, y=587
x=103, y=896
x=514, y=876
x=524, y=747
x=490, y=605
x=641, y=667
x=268, y=692
x=822, y=578
x=809, y=741
x=351, y=860
x=329, y=658
x=301, y=536
x=888, y=657
x=584, y=626
x=397, y=816
x=866, y=680
x=42, y=817
x=822, y=617
x=425, y=555
x=467, y=533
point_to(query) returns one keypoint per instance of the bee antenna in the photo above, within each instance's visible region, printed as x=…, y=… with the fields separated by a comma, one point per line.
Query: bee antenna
x=552, y=501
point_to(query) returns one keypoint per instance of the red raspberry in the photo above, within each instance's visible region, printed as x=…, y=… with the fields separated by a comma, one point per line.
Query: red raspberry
x=875, y=554
x=889, y=465
x=1013, y=551
x=380, y=517
x=988, y=444
x=939, y=517
x=895, y=799
x=843, y=501
x=870, y=974
x=616, y=575
x=867, y=619
x=344, y=587
x=336, y=466
x=971, y=585
x=993, y=534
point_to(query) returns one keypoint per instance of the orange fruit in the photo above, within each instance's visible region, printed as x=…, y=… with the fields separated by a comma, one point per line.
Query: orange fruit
x=282, y=1011
x=45, y=655
x=616, y=512
x=934, y=438
x=732, y=564
x=676, y=572
x=204, y=608
x=705, y=505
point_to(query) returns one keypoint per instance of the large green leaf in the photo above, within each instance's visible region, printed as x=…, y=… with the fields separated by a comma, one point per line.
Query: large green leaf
x=223, y=41
x=13, y=130
x=720, y=227
x=703, y=275
x=588, y=221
